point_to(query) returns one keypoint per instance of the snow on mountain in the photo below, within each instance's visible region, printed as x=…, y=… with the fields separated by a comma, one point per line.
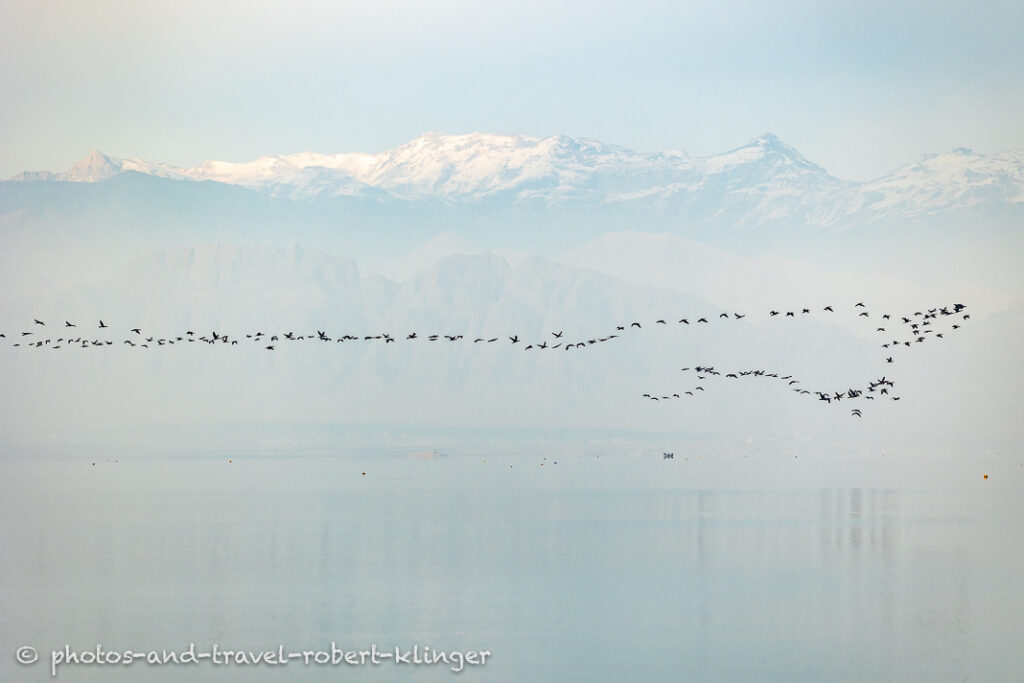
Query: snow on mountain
x=763, y=181
x=957, y=179
x=97, y=167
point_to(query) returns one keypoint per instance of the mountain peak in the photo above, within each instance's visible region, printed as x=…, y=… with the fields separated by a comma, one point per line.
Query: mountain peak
x=770, y=142
x=767, y=151
x=768, y=138
x=96, y=166
x=516, y=173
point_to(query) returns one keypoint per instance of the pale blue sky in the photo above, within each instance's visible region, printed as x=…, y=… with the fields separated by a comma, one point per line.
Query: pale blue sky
x=858, y=87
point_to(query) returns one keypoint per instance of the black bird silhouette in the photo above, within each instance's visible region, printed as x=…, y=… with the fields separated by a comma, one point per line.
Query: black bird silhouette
x=661, y=322
x=702, y=320
x=102, y=325
x=558, y=335
x=270, y=348
x=136, y=330
x=829, y=309
x=685, y=321
x=514, y=339
x=861, y=304
x=738, y=316
x=635, y=325
x=889, y=359
x=856, y=412
x=67, y=324
x=39, y=322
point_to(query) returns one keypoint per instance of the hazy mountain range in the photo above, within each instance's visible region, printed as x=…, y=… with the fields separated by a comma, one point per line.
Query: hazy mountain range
x=507, y=235
x=248, y=396
x=764, y=181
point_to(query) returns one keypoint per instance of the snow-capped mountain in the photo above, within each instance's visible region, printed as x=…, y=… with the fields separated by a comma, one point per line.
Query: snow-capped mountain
x=764, y=181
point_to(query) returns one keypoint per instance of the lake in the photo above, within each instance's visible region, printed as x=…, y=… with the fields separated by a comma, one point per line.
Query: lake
x=574, y=568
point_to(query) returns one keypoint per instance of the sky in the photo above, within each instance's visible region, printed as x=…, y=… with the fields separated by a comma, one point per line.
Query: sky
x=860, y=88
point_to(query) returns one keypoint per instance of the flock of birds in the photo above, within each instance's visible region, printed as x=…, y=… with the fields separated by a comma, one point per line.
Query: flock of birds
x=896, y=331
x=908, y=330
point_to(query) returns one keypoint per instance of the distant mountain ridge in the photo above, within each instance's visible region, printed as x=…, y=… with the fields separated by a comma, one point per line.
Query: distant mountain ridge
x=763, y=181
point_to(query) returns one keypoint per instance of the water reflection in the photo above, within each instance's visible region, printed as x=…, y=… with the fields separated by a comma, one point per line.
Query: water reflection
x=607, y=584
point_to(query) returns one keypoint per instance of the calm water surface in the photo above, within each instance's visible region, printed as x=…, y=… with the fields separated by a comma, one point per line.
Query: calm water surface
x=591, y=570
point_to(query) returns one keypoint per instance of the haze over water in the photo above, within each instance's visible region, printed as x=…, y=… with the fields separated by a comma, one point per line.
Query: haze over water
x=599, y=567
